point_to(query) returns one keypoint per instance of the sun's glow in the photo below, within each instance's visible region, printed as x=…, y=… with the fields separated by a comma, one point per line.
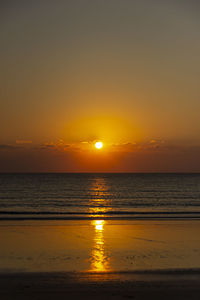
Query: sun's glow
x=98, y=145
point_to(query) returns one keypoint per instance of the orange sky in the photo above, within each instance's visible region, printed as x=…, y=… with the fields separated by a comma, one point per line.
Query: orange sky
x=123, y=72
x=153, y=156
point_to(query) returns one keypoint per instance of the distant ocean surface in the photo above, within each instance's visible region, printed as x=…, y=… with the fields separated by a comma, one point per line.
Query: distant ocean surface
x=106, y=196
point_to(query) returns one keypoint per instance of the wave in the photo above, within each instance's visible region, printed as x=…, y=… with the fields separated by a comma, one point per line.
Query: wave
x=100, y=213
x=111, y=215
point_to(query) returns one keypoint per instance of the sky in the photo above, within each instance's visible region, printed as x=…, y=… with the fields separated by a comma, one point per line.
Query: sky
x=118, y=71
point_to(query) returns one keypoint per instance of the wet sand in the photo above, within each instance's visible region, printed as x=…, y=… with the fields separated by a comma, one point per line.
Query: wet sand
x=99, y=245
x=99, y=286
x=100, y=259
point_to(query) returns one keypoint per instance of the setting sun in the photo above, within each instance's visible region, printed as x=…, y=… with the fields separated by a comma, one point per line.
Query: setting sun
x=98, y=145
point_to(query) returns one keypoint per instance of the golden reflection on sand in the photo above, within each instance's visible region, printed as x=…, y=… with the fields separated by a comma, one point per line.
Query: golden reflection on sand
x=99, y=259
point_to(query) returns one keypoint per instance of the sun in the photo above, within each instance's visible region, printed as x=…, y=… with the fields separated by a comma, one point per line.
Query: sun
x=98, y=145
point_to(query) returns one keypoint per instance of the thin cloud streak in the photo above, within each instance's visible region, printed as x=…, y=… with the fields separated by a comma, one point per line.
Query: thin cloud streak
x=156, y=156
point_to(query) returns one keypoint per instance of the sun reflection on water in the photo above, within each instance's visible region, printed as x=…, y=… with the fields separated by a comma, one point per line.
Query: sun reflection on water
x=99, y=193
x=99, y=259
x=98, y=205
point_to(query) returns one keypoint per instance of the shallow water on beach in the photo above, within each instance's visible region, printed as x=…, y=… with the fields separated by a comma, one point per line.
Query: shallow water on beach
x=99, y=246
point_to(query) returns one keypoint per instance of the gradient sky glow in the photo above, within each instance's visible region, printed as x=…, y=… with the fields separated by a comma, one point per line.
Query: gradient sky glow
x=77, y=71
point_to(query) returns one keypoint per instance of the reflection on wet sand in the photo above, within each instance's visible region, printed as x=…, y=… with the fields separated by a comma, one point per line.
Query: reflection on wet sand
x=99, y=246
x=99, y=259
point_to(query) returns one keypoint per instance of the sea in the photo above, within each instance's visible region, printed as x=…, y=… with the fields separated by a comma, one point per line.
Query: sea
x=99, y=196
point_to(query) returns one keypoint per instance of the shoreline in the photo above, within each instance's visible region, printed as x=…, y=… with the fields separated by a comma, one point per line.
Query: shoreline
x=106, y=216
x=112, y=273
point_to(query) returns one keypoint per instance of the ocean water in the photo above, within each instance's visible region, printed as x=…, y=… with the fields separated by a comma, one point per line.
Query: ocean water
x=104, y=196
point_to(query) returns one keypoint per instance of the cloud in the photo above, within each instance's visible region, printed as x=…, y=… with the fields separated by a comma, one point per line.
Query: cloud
x=142, y=146
x=59, y=145
x=156, y=156
x=23, y=142
x=7, y=147
x=156, y=141
x=124, y=147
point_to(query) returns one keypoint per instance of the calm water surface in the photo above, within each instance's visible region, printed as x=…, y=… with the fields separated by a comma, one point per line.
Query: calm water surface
x=110, y=196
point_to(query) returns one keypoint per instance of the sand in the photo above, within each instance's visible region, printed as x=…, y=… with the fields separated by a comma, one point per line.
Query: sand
x=100, y=260
x=82, y=246
x=99, y=286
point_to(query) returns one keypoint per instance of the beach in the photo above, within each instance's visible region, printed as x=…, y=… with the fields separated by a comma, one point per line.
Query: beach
x=95, y=259
x=100, y=150
x=99, y=286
